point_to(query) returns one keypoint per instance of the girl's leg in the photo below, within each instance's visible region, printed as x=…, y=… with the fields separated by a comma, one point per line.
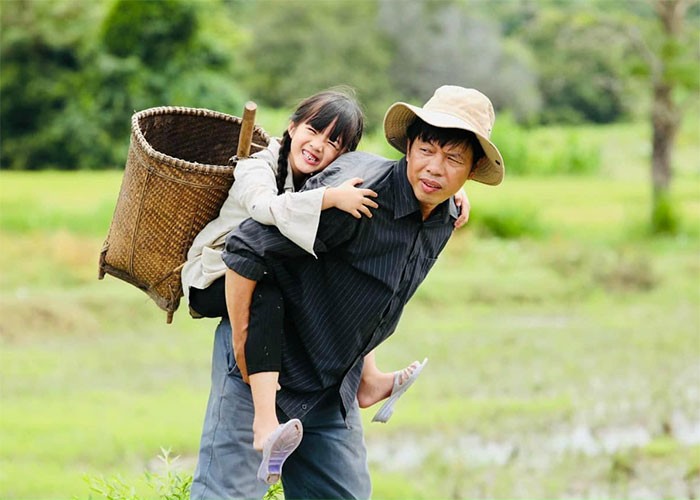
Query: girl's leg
x=209, y=302
x=263, y=386
x=263, y=352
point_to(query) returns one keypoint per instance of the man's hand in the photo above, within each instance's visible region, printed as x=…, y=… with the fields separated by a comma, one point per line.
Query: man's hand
x=462, y=202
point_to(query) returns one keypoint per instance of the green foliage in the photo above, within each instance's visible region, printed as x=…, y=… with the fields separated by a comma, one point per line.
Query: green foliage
x=299, y=48
x=509, y=222
x=73, y=71
x=435, y=43
x=565, y=151
x=664, y=219
x=85, y=84
x=276, y=492
x=524, y=336
x=580, y=75
x=168, y=485
x=152, y=31
x=41, y=48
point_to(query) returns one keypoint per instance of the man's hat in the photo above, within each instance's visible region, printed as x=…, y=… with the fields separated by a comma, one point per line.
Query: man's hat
x=451, y=107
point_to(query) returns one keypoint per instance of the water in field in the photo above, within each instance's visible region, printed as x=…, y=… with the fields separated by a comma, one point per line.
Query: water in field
x=604, y=461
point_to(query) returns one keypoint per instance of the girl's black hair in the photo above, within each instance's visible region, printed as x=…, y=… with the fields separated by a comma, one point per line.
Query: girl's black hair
x=419, y=129
x=320, y=110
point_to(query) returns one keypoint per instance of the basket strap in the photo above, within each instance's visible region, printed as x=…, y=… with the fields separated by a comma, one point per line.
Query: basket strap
x=165, y=277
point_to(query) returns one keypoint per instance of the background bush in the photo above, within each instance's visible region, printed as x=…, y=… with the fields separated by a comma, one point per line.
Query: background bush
x=74, y=71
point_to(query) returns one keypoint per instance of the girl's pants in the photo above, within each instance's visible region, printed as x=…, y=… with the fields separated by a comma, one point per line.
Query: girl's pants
x=263, y=348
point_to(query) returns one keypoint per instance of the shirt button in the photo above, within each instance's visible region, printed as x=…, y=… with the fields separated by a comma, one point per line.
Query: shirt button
x=304, y=406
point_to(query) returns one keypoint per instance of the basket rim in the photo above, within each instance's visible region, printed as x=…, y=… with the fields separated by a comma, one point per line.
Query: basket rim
x=137, y=133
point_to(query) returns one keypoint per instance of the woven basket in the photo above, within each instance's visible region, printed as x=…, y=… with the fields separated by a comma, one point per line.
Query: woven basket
x=178, y=173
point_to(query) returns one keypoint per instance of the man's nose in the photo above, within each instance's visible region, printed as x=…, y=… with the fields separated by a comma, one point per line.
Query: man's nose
x=436, y=165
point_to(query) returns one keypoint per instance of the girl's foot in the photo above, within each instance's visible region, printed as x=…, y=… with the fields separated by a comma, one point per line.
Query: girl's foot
x=379, y=385
x=277, y=448
x=398, y=389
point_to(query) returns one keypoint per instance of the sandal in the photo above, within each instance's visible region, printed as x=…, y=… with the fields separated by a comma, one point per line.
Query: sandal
x=397, y=391
x=277, y=448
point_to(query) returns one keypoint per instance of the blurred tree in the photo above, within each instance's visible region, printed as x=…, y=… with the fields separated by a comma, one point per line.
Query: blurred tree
x=73, y=73
x=660, y=47
x=299, y=47
x=580, y=74
x=154, y=32
x=439, y=42
x=673, y=66
x=42, y=45
x=158, y=53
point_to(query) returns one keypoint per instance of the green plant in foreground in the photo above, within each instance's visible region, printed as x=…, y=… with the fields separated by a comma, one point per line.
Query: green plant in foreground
x=168, y=485
x=275, y=492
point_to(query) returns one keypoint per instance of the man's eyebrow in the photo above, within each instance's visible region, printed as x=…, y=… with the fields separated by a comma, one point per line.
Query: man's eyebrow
x=455, y=150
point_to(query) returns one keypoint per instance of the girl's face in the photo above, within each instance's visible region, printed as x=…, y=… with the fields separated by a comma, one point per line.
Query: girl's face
x=311, y=150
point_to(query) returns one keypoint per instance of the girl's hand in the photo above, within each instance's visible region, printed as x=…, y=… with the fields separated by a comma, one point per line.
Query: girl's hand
x=348, y=198
x=462, y=203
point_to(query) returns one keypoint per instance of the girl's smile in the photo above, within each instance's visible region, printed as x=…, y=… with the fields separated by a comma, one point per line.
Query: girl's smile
x=311, y=150
x=310, y=157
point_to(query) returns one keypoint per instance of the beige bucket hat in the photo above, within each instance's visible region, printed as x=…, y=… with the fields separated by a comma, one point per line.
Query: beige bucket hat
x=451, y=107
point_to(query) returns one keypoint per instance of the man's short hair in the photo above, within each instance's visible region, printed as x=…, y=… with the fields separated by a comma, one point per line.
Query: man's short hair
x=418, y=129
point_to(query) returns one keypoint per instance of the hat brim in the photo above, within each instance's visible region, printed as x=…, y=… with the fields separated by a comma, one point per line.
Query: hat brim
x=489, y=170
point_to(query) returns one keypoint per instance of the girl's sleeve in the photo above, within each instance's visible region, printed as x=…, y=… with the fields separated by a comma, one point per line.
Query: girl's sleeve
x=296, y=215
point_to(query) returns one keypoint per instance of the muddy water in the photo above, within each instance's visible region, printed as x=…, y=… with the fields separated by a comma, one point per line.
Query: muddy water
x=543, y=451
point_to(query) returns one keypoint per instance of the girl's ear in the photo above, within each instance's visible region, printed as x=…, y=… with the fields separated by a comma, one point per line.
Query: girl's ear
x=291, y=128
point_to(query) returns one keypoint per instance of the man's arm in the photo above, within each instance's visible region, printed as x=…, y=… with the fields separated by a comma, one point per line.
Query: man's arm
x=252, y=247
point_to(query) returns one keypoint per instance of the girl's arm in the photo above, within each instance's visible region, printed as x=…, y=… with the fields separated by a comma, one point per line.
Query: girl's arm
x=349, y=198
x=462, y=202
x=296, y=215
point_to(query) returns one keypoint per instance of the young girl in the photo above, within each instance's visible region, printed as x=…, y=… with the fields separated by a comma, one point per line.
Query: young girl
x=323, y=127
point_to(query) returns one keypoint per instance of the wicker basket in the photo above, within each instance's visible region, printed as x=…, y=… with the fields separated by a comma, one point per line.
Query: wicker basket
x=178, y=172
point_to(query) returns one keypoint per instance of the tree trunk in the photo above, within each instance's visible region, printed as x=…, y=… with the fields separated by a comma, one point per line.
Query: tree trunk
x=666, y=118
x=665, y=123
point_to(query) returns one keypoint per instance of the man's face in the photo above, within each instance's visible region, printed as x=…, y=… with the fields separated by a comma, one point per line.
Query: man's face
x=437, y=172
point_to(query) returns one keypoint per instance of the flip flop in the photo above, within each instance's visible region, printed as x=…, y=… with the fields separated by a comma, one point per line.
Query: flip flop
x=397, y=391
x=277, y=448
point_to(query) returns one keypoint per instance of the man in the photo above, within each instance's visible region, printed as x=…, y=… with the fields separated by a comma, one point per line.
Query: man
x=339, y=307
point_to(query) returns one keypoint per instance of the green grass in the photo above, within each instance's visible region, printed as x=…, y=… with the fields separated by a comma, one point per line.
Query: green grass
x=588, y=325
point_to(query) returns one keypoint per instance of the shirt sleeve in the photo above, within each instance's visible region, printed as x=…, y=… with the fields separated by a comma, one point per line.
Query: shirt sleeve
x=252, y=247
x=296, y=215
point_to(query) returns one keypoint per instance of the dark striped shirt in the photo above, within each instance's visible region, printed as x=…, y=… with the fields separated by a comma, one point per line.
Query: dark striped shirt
x=345, y=303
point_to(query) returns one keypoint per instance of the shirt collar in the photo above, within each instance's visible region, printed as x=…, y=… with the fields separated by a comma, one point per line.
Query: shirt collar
x=407, y=203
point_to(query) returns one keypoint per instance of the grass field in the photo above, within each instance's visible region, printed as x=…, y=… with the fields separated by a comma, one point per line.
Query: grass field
x=563, y=363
